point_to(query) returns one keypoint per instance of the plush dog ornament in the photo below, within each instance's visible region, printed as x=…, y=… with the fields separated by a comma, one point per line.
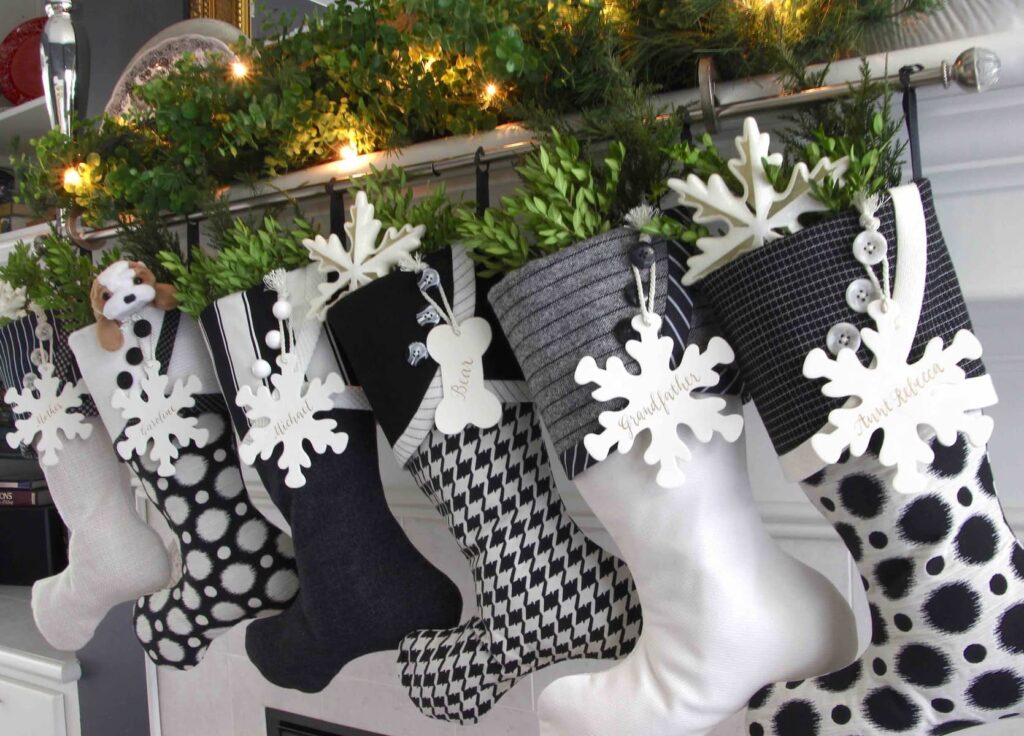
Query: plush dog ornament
x=123, y=290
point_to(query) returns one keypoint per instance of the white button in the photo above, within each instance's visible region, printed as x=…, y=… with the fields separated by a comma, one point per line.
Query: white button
x=261, y=369
x=859, y=294
x=842, y=335
x=869, y=247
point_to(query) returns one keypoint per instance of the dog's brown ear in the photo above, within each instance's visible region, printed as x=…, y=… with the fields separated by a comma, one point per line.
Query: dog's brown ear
x=166, y=297
x=96, y=298
x=108, y=333
x=142, y=271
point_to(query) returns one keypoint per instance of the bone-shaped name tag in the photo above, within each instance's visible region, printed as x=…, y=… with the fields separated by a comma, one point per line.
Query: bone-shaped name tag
x=465, y=399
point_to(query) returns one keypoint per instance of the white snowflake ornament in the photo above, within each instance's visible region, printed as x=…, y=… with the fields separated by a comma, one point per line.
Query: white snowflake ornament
x=365, y=259
x=48, y=403
x=660, y=399
x=287, y=416
x=898, y=398
x=161, y=430
x=761, y=214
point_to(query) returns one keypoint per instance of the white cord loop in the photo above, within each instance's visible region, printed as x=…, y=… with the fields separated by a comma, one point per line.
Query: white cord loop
x=646, y=302
x=868, y=206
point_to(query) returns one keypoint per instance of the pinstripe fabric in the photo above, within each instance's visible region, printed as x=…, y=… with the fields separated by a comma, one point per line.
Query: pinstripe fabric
x=234, y=329
x=778, y=303
x=18, y=340
x=559, y=308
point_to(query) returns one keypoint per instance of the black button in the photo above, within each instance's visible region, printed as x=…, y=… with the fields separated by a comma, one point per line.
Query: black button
x=143, y=328
x=133, y=356
x=624, y=331
x=125, y=380
x=642, y=255
x=632, y=298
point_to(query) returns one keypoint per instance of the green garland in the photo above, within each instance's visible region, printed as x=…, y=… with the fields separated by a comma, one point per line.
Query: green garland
x=378, y=74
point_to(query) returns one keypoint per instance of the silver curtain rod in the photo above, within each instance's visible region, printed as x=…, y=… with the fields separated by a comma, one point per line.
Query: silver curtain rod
x=976, y=69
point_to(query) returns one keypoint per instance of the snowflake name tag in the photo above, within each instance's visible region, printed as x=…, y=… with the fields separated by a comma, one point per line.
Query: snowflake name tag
x=900, y=397
x=660, y=399
x=48, y=404
x=286, y=416
x=465, y=399
x=161, y=430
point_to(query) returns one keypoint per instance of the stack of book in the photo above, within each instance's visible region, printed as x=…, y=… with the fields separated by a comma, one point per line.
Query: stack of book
x=24, y=493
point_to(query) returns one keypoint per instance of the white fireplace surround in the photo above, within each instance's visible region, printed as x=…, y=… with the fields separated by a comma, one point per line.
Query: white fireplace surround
x=973, y=152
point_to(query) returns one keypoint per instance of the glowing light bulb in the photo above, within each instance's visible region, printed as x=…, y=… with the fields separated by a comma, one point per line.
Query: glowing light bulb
x=72, y=179
x=239, y=69
x=490, y=91
x=348, y=152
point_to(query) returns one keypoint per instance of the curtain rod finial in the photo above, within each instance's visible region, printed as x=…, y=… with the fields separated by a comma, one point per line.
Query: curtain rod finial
x=975, y=70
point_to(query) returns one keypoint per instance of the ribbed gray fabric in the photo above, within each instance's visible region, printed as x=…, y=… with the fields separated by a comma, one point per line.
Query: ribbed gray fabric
x=552, y=307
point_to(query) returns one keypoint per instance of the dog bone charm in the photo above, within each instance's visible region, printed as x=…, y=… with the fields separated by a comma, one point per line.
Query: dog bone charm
x=465, y=399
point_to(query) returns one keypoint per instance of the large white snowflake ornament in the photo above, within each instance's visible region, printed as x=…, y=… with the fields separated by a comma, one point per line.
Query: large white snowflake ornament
x=161, y=430
x=287, y=416
x=761, y=214
x=660, y=399
x=47, y=404
x=365, y=259
x=900, y=397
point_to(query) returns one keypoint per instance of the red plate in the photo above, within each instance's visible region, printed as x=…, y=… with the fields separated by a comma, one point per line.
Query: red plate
x=21, y=77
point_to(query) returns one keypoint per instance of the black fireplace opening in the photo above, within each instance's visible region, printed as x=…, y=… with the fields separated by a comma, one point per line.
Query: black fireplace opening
x=280, y=723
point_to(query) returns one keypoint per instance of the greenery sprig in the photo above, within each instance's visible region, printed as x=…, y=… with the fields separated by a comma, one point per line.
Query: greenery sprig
x=242, y=252
x=863, y=128
x=395, y=205
x=57, y=276
x=568, y=194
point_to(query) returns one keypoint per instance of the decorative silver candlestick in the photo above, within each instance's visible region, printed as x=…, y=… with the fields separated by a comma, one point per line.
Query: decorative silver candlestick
x=64, y=52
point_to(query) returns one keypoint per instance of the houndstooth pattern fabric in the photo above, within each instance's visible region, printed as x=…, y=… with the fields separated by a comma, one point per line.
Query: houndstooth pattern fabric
x=450, y=674
x=778, y=303
x=545, y=592
x=944, y=576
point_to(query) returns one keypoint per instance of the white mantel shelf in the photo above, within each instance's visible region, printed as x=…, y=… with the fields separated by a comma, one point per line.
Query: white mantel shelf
x=22, y=647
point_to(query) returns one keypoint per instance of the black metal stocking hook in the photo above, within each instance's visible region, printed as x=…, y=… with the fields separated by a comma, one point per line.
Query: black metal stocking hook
x=910, y=115
x=336, y=207
x=191, y=234
x=483, y=181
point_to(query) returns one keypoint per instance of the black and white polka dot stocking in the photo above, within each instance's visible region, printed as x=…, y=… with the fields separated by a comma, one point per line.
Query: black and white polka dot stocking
x=234, y=564
x=944, y=576
x=941, y=568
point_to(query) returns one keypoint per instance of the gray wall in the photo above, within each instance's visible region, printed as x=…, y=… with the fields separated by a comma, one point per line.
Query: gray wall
x=117, y=29
x=112, y=691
